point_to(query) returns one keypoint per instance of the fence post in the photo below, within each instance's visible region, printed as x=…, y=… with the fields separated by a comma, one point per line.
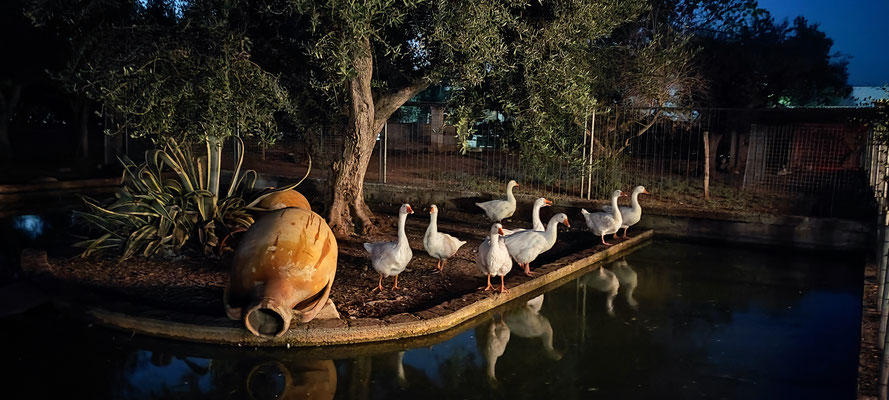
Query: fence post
x=384, y=151
x=589, y=185
x=583, y=157
x=706, y=165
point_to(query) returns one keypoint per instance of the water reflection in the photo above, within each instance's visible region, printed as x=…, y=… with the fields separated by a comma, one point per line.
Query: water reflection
x=32, y=226
x=604, y=281
x=527, y=322
x=628, y=280
x=297, y=379
x=492, y=338
x=714, y=323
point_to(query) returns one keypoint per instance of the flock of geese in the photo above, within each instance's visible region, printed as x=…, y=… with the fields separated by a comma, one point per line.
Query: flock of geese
x=496, y=253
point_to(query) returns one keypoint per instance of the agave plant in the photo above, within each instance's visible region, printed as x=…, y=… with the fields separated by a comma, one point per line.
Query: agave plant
x=166, y=206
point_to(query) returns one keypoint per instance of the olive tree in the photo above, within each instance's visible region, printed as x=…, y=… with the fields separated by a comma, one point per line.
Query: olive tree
x=368, y=57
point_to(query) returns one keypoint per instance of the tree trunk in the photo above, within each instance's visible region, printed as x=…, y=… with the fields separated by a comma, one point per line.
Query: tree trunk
x=8, y=102
x=82, y=112
x=366, y=119
x=5, y=145
x=358, y=144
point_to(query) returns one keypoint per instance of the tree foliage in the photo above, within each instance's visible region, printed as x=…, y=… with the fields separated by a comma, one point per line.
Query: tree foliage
x=166, y=70
x=753, y=61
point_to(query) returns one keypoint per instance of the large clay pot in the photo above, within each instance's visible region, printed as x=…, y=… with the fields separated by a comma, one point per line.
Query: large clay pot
x=283, y=268
x=284, y=199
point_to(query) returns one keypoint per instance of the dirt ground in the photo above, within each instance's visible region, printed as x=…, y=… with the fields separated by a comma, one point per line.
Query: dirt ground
x=196, y=285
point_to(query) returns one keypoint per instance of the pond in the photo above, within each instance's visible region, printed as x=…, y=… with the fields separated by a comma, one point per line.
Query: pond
x=688, y=320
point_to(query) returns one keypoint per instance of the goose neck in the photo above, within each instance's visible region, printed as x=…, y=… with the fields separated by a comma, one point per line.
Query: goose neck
x=509, y=196
x=634, y=201
x=433, y=223
x=402, y=236
x=535, y=217
x=614, y=210
x=552, y=230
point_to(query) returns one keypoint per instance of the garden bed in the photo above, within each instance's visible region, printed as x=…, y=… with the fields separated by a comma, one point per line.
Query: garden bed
x=188, y=291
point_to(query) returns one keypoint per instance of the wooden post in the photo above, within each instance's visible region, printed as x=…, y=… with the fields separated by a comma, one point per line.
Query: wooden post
x=706, y=165
x=583, y=165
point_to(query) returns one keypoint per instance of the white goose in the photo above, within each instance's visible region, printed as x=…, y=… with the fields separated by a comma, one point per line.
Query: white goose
x=628, y=280
x=630, y=215
x=439, y=245
x=390, y=258
x=535, y=217
x=527, y=322
x=525, y=246
x=493, y=258
x=497, y=210
x=605, y=223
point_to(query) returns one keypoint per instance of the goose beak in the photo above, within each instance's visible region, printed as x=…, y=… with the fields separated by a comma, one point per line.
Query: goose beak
x=500, y=231
x=410, y=210
x=566, y=222
x=547, y=202
x=645, y=191
x=431, y=209
x=623, y=194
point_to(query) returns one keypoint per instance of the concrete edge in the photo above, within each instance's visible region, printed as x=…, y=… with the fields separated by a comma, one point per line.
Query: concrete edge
x=362, y=331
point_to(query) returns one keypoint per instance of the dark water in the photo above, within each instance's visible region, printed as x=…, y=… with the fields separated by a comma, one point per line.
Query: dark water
x=688, y=321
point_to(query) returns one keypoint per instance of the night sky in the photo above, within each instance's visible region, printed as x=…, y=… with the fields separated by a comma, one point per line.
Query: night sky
x=857, y=27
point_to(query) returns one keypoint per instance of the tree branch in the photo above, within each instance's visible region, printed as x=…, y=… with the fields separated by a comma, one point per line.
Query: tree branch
x=388, y=103
x=642, y=131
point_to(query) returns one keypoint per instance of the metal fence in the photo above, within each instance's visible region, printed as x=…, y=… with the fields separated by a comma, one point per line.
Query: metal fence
x=812, y=156
x=877, y=165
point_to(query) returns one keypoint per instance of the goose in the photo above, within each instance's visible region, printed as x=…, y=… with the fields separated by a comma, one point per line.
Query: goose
x=604, y=281
x=535, y=217
x=525, y=246
x=527, y=322
x=493, y=259
x=491, y=339
x=605, y=223
x=628, y=280
x=390, y=258
x=497, y=210
x=439, y=245
x=631, y=215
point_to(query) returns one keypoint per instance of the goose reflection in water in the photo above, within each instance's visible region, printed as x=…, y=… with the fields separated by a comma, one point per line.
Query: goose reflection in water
x=527, y=322
x=628, y=280
x=491, y=339
x=601, y=280
x=524, y=321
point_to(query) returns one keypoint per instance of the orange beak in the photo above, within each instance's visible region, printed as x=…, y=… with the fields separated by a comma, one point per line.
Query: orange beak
x=500, y=231
x=645, y=191
x=547, y=202
x=410, y=210
x=516, y=185
x=623, y=194
x=566, y=222
x=431, y=209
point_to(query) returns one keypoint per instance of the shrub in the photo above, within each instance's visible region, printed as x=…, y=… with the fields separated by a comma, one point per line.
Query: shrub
x=164, y=206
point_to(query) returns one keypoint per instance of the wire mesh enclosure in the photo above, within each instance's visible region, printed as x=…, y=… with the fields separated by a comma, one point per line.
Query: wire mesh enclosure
x=814, y=155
